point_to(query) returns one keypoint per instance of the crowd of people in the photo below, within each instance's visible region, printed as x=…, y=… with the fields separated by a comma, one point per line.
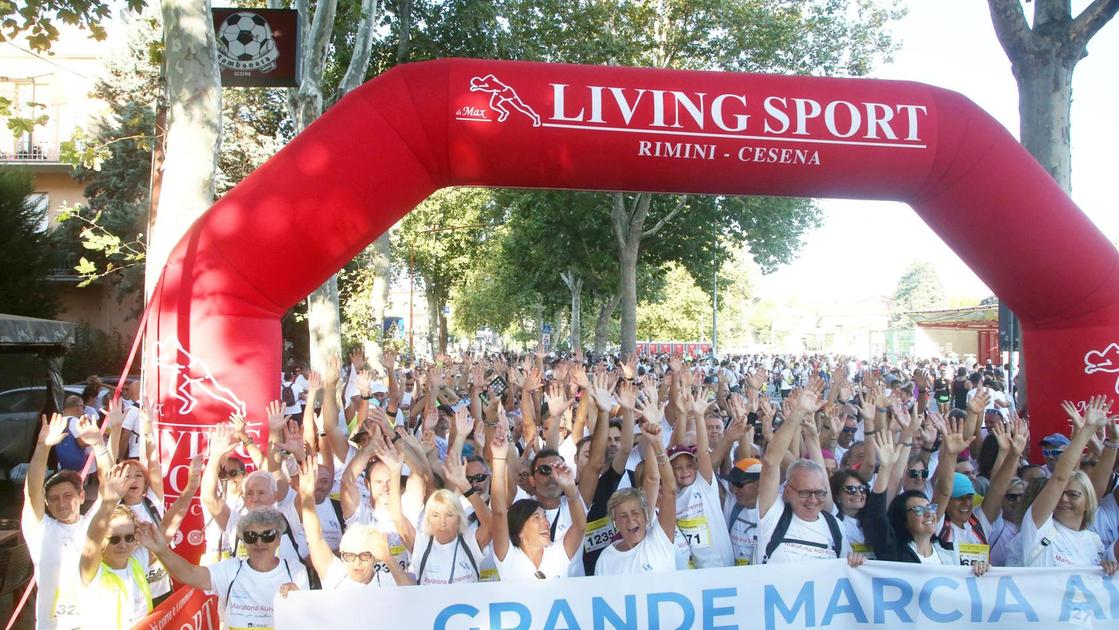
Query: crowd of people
x=506, y=467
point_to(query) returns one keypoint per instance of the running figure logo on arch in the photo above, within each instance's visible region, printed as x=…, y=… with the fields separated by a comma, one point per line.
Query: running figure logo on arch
x=1106, y=361
x=191, y=378
x=502, y=98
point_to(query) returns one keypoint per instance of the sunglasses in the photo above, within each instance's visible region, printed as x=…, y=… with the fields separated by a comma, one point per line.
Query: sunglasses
x=850, y=429
x=540, y=575
x=1051, y=452
x=544, y=469
x=128, y=538
x=231, y=474
x=364, y=556
x=266, y=536
x=1014, y=496
x=915, y=473
x=853, y=490
x=921, y=511
x=479, y=478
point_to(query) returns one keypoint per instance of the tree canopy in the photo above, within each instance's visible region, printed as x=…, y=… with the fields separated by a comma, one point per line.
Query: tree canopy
x=25, y=253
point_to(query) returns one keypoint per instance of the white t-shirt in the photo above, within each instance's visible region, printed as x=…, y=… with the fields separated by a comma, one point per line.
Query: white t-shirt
x=250, y=592
x=938, y=557
x=561, y=519
x=446, y=563
x=654, y=553
x=329, y=523
x=132, y=423
x=699, y=517
x=337, y=579
x=55, y=549
x=853, y=534
x=216, y=540
x=966, y=535
x=158, y=578
x=1054, y=545
x=743, y=530
x=1000, y=550
x=804, y=540
x=554, y=564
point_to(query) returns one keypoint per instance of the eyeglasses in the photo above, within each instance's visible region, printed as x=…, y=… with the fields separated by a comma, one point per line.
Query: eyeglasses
x=231, y=474
x=544, y=469
x=266, y=536
x=479, y=478
x=1072, y=495
x=364, y=556
x=806, y=494
x=128, y=538
x=921, y=511
x=1014, y=496
x=853, y=490
x=1051, y=452
x=916, y=472
x=540, y=575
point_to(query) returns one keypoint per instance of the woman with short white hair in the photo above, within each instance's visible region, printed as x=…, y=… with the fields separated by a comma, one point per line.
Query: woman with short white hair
x=444, y=553
x=245, y=587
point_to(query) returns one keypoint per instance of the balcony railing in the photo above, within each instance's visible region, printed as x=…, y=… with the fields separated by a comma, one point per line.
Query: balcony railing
x=37, y=153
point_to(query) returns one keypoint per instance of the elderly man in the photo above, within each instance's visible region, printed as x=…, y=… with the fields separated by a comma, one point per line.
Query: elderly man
x=800, y=526
x=258, y=490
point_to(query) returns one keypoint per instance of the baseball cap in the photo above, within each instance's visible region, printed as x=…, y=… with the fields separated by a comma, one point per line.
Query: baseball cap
x=961, y=485
x=749, y=469
x=1054, y=439
x=680, y=449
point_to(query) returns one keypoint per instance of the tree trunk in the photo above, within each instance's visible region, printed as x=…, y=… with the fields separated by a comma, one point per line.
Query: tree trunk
x=193, y=132
x=404, y=45
x=1045, y=104
x=323, y=324
x=575, y=285
x=602, y=323
x=380, y=263
x=627, y=258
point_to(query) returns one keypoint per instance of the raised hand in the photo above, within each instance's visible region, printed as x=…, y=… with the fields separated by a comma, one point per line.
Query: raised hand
x=314, y=384
x=601, y=392
x=954, y=440
x=737, y=406
x=564, y=475
x=89, y=432
x=651, y=411
x=699, y=402
x=223, y=439
x=357, y=358
x=333, y=372
x=1002, y=435
x=388, y=358
x=308, y=476
x=981, y=400
x=454, y=473
x=627, y=395
x=629, y=367
x=533, y=380
x=1074, y=417
x=116, y=413
x=115, y=483
x=194, y=479
x=1020, y=434
x=889, y=452
x=1098, y=409
x=363, y=379
x=276, y=417
x=757, y=380
x=53, y=431
x=150, y=537
x=387, y=452
x=464, y=424
x=557, y=400
x=579, y=373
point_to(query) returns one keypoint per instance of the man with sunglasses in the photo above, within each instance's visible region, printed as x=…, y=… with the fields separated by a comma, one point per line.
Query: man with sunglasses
x=245, y=586
x=1052, y=446
x=548, y=492
x=231, y=474
x=850, y=417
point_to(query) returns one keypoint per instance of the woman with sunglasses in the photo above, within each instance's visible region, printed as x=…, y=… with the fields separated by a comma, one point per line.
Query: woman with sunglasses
x=113, y=571
x=245, y=586
x=916, y=477
x=522, y=538
x=906, y=531
x=850, y=494
x=365, y=556
x=1056, y=527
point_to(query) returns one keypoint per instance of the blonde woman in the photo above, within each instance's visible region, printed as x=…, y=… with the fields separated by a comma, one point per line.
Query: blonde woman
x=113, y=567
x=444, y=552
x=1055, y=530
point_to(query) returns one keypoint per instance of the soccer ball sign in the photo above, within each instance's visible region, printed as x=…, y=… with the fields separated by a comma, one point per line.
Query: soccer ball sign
x=245, y=43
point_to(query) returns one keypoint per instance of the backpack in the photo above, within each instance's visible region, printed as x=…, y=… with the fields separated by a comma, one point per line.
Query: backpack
x=783, y=528
x=287, y=394
x=69, y=453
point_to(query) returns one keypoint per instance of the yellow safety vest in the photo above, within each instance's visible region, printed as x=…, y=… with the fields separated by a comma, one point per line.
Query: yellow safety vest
x=113, y=589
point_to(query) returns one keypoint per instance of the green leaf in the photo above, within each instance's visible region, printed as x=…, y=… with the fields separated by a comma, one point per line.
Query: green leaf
x=85, y=268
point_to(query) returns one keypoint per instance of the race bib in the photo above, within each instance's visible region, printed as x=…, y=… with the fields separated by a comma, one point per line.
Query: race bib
x=741, y=562
x=65, y=606
x=489, y=575
x=972, y=553
x=695, y=531
x=399, y=554
x=864, y=549
x=600, y=533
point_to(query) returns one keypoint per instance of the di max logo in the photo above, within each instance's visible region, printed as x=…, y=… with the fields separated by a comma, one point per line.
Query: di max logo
x=189, y=378
x=503, y=100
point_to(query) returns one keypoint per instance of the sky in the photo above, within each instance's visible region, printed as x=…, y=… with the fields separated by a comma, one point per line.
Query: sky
x=951, y=44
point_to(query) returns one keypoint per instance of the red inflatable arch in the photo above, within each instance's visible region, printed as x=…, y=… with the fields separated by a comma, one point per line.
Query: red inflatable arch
x=215, y=329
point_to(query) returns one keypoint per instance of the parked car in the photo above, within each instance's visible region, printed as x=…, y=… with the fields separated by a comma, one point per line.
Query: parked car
x=19, y=421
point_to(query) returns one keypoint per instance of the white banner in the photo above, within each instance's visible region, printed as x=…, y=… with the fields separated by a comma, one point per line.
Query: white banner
x=773, y=597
